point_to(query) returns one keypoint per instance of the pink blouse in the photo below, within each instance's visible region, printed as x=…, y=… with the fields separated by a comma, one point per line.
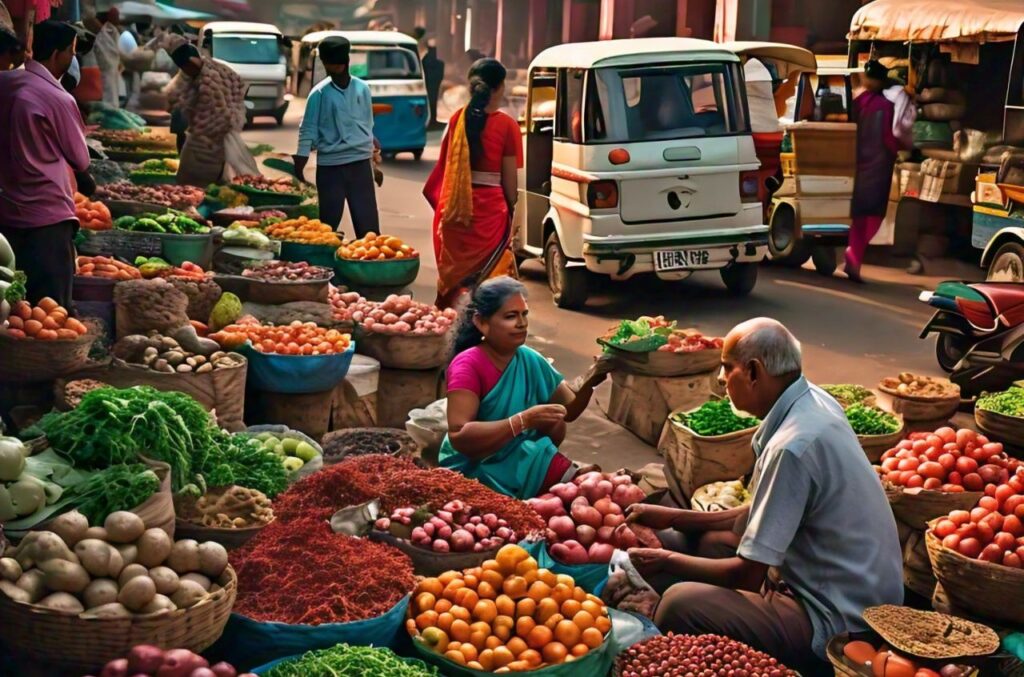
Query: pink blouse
x=472, y=370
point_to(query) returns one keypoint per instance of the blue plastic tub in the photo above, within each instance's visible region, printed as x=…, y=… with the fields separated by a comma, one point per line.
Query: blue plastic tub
x=296, y=373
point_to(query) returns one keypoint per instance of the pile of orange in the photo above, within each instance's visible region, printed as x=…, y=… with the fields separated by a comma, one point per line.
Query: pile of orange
x=303, y=231
x=375, y=247
x=507, y=615
x=47, y=321
x=297, y=338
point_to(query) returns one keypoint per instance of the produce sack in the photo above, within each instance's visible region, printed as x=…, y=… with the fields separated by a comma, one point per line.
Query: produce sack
x=247, y=643
x=309, y=467
x=296, y=373
x=626, y=630
x=238, y=161
x=695, y=460
x=590, y=577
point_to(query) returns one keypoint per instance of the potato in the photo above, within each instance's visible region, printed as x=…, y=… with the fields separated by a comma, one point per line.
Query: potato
x=159, y=604
x=202, y=580
x=131, y=571
x=33, y=582
x=166, y=580
x=71, y=526
x=112, y=610
x=213, y=559
x=10, y=570
x=96, y=556
x=184, y=557
x=62, y=576
x=124, y=527
x=129, y=553
x=154, y=546
x=98, y=533
x=40, y=546
x=62, y=601
x=189, y=594
x=101, y=591
x=15, y=593
x=137, y=592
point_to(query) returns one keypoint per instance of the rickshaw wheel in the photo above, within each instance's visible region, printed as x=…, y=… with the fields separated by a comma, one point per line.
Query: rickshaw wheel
x=824, y=259
x=1008, y=264
x=739, y=278
x=568, y=285
x=949, y=350
x=799, y=256
x=417, y=155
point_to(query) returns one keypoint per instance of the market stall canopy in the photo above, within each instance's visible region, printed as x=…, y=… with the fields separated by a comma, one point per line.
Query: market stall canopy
x=797, y=58
x=159, y=11
x=972, y=21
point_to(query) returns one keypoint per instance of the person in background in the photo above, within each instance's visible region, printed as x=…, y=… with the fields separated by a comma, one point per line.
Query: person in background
x=24, y=14
x=876, y=155
x=41, y=137
x=474, y=187
x=108, y=56
x=507, y=406
x=805, y=568
x=433, y=75
x=338, y=124
x=12, y=52
x=211, y=97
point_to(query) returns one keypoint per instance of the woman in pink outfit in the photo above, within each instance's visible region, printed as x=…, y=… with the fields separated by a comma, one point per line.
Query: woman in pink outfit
x=876, y=154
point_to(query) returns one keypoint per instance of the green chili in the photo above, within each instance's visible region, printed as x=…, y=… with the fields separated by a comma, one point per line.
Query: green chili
x=352, y=661
x=715, y=418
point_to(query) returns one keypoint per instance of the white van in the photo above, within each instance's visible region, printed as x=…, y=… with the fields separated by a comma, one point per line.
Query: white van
x=256, y=52
x=639, y=159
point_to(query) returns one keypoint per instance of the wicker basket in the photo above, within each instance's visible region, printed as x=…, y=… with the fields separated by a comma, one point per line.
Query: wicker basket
x=876, y=445
x=983, y=588
x=229, y=538
x=921, y=408
x=1009, y=429
x=28, y=360
x=65, y=640
x=917, y=507
x=405, y=351
x=429, y=563
x=658, y=363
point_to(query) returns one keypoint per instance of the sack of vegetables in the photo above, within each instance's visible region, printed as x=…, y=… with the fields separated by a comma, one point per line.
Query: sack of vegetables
x=78, y=596
x=708, y=444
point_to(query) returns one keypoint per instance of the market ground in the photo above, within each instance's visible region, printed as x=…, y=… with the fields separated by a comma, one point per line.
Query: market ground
x=850, y=333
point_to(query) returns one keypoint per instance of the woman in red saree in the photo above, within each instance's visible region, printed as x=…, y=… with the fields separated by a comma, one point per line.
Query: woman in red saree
x=474, y=187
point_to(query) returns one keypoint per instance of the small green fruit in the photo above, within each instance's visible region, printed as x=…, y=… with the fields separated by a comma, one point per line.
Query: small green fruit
x=291, y=464
x=290, y=444
x=305, y=451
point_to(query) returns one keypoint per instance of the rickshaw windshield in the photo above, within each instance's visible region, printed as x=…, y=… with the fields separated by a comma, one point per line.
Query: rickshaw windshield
x=665, y=102
x=387, y=63
x=253, y=49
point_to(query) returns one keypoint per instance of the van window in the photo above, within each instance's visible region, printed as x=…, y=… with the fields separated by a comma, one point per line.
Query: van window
x=665, y=102
x=254, y=49
x=389, y=63
x=569, y=120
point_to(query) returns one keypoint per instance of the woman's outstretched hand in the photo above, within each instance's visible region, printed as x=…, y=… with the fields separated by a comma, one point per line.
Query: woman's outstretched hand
x=543, y=416
x=600, y=369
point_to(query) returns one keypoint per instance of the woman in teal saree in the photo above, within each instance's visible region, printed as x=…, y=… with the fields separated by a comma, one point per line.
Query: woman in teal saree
x=507, y=406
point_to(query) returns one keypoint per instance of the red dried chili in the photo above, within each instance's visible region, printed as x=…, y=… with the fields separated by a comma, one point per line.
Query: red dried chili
x=399, y=483
x=302, y=572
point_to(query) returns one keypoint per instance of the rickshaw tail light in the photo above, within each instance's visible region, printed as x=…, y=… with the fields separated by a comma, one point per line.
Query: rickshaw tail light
x=603, y=195
x=618, y=156
x=749, y=184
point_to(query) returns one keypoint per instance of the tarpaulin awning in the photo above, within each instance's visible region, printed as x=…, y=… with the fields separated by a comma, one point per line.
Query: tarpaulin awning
x=972, y=21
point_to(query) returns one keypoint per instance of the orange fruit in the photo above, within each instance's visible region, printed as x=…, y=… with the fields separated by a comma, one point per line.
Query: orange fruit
x=503, y=622
x=427, y=619
x=570, y=608
x=460, y=631
x=474, y=572
x=456, y=656
x=568, y=633
x=424, y=601
x=561, y=592
x=486, y=591
x=491, y=565
x=525, y=566
x=447, y=577
x=524, y=624
x=531, y=656
x=469, y=651
x=502, y=656
x=603, y=624
x=492, y=642
x=492, y=576
x=509, y=557
x=566, y=580
x=486, y=659
x=517, y=645
x=431, y=585
x=595, y=599
x=592, y=637
x=546, y=608
x=539, y=591
x=474, y=665
x=471, y=581
x=442, y=605
x=525, y=607
x=452, y=588
x=554, y=620
x=466, y=597
x=502, y=633
x=514, y=587
x=479, y=640
x=579, y=650
x=554, y=653
x=518, y=666
x=539, y=637
x=485, y=610
x=583, y=620
x=530, y=577
x=461, y=613
x=410, y=626
x=579, y=594
x=548, y=577
x=444, y=621
x=592, y=608
x=505, y=605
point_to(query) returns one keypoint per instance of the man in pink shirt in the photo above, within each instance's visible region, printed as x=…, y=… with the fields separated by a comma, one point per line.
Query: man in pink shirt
x=41, y=136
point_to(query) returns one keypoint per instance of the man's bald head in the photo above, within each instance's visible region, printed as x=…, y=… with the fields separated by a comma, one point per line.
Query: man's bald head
x=767, y=341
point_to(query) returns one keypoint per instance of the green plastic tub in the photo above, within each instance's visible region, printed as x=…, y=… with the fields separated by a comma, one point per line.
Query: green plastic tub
x=382, y=273
x=151, y=178
x=177, y=249
x=315, y=254
x=261, y=198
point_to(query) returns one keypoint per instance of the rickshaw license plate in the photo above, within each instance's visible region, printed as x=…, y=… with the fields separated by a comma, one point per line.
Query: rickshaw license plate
x=682, y=259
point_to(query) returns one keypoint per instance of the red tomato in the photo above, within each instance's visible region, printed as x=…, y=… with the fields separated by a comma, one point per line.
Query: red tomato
x=945, y=527
x=1003, y=492
x=988, y=503
x=966, y=465
x=888, y=454
x=919, y=446
x=914, y=481
x=994, y=520
x=991, y=448
x=931, y=469
x=947, y=461
x=947, y=434
x=1020, y=552
x=905, y=444
x=909, y=463
x=985, y=532
x=1017, y=482
x=1012, y=559
x=970, y=547
x=955, y=478
x=964, y=435
x=925, y=672
x=889, y=464
x=952, y=488
x=977, y=453
x=1005, y=541
x=1011, y=503
x=905, y=476
x=990, y=490
x=973, y=482
x=893, y=477
x=933, y=483
x=991, y=553
x=932, y=454
x=952, y=448
x=1013, y=525
x=977, y=514
x=952, y=541
x=959, y=517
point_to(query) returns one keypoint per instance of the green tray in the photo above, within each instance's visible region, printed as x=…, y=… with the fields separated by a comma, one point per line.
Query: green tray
x=315, y=254
x=384, y=273
x=151, y=178
x=260, y=198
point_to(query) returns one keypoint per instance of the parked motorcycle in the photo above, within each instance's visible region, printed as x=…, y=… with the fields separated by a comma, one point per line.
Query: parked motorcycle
x=980, y=334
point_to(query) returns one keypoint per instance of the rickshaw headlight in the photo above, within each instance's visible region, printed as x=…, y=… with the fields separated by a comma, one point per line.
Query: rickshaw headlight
x=603, y=195
x=749, y=184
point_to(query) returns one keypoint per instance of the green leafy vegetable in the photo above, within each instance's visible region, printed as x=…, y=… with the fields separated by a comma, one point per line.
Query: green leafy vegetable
x=846, y=394
x=16, y=291
x=866, y=420
x=714, y=418
x=119, y=487
x=1009, y=402
x=352, y=661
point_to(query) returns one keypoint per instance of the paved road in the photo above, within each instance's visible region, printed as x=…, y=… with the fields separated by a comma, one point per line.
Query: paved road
x=850, y=333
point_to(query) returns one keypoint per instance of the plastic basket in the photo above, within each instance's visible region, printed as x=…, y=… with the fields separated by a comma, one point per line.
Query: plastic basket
x=261, y=198
x=315, y=254
x=177, y=249
x=296, y=374
x=382, y=273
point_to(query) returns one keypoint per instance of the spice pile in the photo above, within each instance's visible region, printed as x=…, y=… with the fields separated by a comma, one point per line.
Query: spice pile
x=226, y=508
x=398, y=482
x=710, y=655
x=299, y=571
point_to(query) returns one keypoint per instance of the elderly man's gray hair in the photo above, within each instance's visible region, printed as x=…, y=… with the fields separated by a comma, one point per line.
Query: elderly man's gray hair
x=769, y=342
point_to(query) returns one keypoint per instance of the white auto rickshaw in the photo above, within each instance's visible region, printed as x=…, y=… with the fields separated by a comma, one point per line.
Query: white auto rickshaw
x=639, y=159
x=256, y=52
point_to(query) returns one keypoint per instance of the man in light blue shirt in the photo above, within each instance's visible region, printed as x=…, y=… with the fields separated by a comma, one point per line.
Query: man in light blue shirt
x=338, y=124
x=819, y=520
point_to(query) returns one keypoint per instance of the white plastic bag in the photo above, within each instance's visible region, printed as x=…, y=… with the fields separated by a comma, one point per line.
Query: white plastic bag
x=237, y=158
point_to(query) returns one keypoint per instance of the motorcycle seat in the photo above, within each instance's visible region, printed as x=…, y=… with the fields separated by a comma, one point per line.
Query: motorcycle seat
x=1004, y=304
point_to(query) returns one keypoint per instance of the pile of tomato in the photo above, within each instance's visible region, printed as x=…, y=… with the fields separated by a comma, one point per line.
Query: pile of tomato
x=297, y=338
x=947, y=460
